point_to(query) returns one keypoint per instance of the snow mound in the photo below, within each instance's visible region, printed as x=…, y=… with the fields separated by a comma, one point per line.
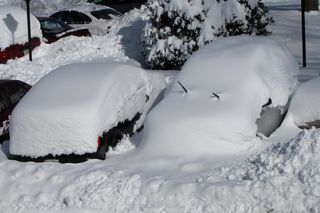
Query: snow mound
x=13, y=26
x=283, y=173
x=305, y=104
x=68, y=109
x=227, y=84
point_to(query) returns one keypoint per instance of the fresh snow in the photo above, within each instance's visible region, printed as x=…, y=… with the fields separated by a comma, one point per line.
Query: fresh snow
x=13, y=26
x=281, y=178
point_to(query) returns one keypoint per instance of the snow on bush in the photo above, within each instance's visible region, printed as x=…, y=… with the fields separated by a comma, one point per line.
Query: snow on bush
x=13, y=26
x=218, y=113
x=68, y=109
x=305, y=104
x=177, y=28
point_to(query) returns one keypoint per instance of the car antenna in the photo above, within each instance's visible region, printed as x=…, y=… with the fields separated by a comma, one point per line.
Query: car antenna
x=185, y=90
x=216, y=95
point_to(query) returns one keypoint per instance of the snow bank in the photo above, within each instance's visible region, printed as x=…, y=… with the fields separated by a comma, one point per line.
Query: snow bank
x=227, y=84
x=305, y=104
x=284, y=173
x=69, y=108
x=13, y=26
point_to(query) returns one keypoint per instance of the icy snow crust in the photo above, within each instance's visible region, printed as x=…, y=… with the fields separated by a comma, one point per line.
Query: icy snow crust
x=69, y=108
x=13, y=26
x=244, y=72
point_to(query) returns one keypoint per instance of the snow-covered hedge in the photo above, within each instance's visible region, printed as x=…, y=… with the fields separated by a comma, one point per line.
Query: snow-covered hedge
x=177, y=28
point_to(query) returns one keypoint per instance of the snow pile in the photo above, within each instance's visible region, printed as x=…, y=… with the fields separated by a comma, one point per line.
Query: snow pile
x=227, y=84
x=67, y=110
x=283, y=173
x=305, y=104
x=13, y=26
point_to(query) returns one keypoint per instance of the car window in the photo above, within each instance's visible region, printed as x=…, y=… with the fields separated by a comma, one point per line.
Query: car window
x=16, y=93
x=105, y=14
x=62, y=16
x=52, y=27
x=4, y=102
x=76, y=17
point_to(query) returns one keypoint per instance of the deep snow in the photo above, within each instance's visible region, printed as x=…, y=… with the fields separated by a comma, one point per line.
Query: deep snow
x=282, y=178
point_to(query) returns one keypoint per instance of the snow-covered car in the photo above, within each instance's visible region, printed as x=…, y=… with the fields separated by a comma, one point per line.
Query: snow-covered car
x=11, y=92
x=305, y=105
x=53, y=29
x=226, y=95
x=90, y=16
x=77, y=111
x=14, y=33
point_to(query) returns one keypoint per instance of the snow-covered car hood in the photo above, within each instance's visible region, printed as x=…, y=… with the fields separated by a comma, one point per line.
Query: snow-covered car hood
x=69, y=108
x=227, y=84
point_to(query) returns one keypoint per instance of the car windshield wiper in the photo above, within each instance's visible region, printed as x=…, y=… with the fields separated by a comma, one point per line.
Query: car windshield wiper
x=185, y=90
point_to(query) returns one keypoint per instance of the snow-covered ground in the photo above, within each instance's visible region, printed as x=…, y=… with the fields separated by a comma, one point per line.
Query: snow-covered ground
x=281, y=175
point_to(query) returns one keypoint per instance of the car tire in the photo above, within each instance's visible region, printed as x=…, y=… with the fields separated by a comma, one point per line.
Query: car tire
x=109, y=139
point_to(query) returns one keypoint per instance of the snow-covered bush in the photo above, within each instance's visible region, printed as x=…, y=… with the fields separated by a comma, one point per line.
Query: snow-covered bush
x=177, y=28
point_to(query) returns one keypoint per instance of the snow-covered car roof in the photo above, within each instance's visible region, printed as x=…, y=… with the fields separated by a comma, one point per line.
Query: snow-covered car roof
x=13, y=26
x=68, y=109
x=227, y=84
x=88, y=7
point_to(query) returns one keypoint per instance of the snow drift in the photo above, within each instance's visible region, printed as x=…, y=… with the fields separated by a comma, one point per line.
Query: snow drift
x=227, y=82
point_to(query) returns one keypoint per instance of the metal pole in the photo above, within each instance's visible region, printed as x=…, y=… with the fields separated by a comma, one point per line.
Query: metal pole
x=29, y=29
x=303, y=24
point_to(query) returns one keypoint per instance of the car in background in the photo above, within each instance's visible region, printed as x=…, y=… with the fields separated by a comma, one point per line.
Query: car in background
x=122, y=6
x=11, y=92
x=14, y=36
x=53, y=29
x=78, y=111
x=97, y=18
x=74, y=16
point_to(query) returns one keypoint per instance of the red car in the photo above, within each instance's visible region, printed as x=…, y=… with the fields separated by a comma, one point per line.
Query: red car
x=17, y=50
x=14, y=35
x=11, y=92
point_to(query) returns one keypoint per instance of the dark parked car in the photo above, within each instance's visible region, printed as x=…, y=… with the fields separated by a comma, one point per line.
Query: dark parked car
x=122, y=6
x=53, y=29
x=75, y=16
x=11, y=92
